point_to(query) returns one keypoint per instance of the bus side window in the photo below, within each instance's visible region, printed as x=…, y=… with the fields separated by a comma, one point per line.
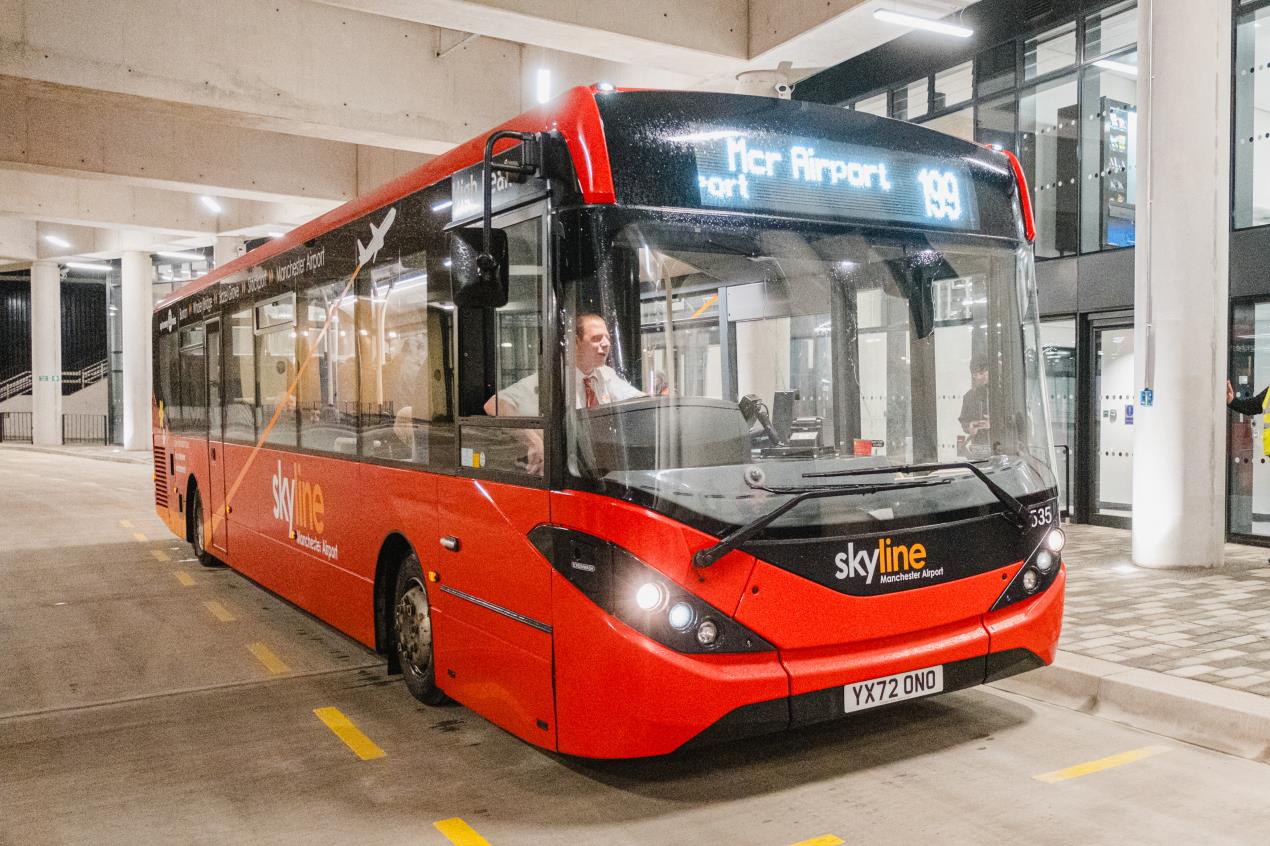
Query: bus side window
x=275, y=370
x=166, y=380
x=240, y=378
x=326, y=395
x=500, y=363
x=193, y=379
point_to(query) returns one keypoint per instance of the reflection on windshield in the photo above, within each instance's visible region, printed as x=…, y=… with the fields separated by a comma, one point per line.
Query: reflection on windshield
x=770, y=352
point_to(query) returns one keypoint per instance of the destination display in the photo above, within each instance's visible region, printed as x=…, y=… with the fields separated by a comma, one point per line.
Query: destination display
x=757, y=170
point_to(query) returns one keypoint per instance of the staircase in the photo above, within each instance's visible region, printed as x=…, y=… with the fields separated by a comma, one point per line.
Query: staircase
x=72, y=380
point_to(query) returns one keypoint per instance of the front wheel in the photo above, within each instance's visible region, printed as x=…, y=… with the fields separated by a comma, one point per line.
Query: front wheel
x=412, y=634
x=198, y=538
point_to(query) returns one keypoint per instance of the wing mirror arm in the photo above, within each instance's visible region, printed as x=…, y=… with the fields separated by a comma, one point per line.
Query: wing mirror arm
x=529, y=164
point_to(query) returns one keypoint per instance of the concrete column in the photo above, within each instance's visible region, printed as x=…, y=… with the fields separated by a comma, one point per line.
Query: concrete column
x=225, y=250
x=1182, y=286
x=138, y=304
x=46, y=354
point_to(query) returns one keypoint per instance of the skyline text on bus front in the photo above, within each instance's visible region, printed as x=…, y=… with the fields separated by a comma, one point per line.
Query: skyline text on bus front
x=823, y=178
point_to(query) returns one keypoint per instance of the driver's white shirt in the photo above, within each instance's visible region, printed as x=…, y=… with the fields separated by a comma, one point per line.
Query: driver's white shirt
x=608, y=387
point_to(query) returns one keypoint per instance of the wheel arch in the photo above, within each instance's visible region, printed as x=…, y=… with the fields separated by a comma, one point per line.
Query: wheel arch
x=191, y=488
x=392, y=552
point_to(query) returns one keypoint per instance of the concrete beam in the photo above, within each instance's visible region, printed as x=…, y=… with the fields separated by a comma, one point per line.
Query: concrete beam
x=701, y=38
x=94, y=203
x=151, y=143
x=287, y=66
x=18, y=241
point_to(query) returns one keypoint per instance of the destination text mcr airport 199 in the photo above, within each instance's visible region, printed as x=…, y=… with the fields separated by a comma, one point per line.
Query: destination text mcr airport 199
x=637, y=422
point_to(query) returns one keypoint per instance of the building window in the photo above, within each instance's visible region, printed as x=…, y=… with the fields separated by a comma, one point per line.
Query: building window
x=953, y=87
x=1049, y=125
x=1110, y=30
x=960, y=123
x=873, y=105
x=1109, y=155
x=1050, y=52
x=912, y=101
x=1252, y=119
x=994, y=123
x=995, y=69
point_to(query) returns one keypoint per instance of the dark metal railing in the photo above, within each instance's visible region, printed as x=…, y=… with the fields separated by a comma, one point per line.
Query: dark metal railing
x=15, y=426
x=85, y=429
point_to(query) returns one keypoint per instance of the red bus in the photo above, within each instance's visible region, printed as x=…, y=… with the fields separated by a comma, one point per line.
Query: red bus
x=702, y=416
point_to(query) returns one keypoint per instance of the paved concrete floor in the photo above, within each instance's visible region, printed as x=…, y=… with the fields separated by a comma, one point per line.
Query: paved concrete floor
x=136, y=713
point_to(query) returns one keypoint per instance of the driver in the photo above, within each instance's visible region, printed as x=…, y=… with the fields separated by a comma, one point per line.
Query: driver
x=595, y=383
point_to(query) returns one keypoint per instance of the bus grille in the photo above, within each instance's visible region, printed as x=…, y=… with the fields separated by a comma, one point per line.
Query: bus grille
x=160, y=477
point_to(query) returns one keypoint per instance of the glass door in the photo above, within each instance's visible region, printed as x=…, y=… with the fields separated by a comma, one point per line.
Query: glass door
x=1058, y=346
x=1248, y=479
x=1111, y=430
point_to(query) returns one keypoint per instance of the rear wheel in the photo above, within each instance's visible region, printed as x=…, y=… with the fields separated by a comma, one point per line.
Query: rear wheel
x=412, y=633
x=198, y=532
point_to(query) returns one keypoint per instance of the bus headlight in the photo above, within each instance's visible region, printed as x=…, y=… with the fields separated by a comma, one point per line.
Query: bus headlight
x=1044, y=560
x=641, y=597
x=1055, y=541
x=680, y=616
x=1030, y=580
x=650, y=596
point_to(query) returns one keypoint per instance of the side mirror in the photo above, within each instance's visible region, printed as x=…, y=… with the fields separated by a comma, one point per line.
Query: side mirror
x=480, y=280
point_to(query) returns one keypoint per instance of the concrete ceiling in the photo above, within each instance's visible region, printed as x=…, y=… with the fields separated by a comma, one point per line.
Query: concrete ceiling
x=116, y=116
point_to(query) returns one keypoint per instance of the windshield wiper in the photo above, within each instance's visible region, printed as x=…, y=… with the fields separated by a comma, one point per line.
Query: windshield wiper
x=1016, y=512
x=709, y=555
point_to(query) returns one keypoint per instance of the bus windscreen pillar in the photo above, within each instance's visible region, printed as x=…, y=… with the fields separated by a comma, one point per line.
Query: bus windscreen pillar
x=46, y=354
x=1182, y=284
x=138, y=301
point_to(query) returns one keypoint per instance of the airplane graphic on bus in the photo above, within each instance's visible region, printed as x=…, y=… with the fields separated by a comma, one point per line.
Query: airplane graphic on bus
x=366, y=254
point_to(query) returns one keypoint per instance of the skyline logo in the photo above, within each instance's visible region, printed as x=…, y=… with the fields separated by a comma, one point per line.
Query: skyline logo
x=886, y=558
x=168, y=323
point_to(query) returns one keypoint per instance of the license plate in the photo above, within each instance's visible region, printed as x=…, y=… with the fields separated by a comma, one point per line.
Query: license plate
x=896, y=688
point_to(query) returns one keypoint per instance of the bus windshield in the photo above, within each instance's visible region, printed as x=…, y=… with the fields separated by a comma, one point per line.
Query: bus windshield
x=721, y=359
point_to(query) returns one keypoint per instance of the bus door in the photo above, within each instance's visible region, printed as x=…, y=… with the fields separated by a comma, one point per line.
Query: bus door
x=219, y=538
x=492, y=609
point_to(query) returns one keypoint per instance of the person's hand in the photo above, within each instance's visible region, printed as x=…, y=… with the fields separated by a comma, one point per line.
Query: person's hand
x=403, y=425
x=977, y=426
x=1230, y=393
x=534, y=465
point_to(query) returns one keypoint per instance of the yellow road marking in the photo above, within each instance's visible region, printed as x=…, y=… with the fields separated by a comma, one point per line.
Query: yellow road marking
x=272, y=662
x=1100, y=765
x=219, y=611
x=822, y=840
x=184, y=578
x=160, y=555
x=353, y=738
x=127, y=524
x=459, y=833
x=140, y=537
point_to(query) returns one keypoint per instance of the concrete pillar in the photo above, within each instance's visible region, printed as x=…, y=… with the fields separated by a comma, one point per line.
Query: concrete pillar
x=46, y=354
x=225, y=250
x=138, y=304
x=1182, y=286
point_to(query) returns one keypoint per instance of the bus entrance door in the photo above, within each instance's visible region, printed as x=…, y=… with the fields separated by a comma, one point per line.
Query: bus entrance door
x=219, y=538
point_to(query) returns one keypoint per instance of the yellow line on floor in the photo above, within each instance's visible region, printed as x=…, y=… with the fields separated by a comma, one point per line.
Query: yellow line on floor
x=160, y=555
x=272, y=662
x=352, y=736
x=184, y=578
x=220, y=612
x=140, y=537
x=127, y=524
x=822, y=840
x=1101, y=764
x=459, y=833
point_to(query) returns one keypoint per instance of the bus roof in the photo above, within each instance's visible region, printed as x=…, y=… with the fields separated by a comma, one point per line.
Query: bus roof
x=679, y=149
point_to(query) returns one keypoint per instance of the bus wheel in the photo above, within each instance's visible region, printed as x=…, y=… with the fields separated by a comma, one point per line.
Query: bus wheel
x=197, y=538
x=412, y=634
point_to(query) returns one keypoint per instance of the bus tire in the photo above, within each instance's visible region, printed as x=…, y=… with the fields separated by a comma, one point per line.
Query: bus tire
x=412, y=633
x=197, y=539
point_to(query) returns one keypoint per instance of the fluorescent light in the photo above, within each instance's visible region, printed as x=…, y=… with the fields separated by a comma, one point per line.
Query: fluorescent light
x=1117, y=67
x=914, y=22
x=443, y=205
x=210, y=204
x=56, y=241
x=606, y=87
x=544, y=85
x=276, y=234
x=81, y=265
x=446, y=263
x=183, y=256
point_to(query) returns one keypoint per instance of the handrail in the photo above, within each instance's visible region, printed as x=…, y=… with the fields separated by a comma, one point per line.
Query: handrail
x=15, y=385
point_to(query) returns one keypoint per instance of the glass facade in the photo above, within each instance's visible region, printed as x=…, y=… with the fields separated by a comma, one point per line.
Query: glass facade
x=1064, y=99
x=1252, y=118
